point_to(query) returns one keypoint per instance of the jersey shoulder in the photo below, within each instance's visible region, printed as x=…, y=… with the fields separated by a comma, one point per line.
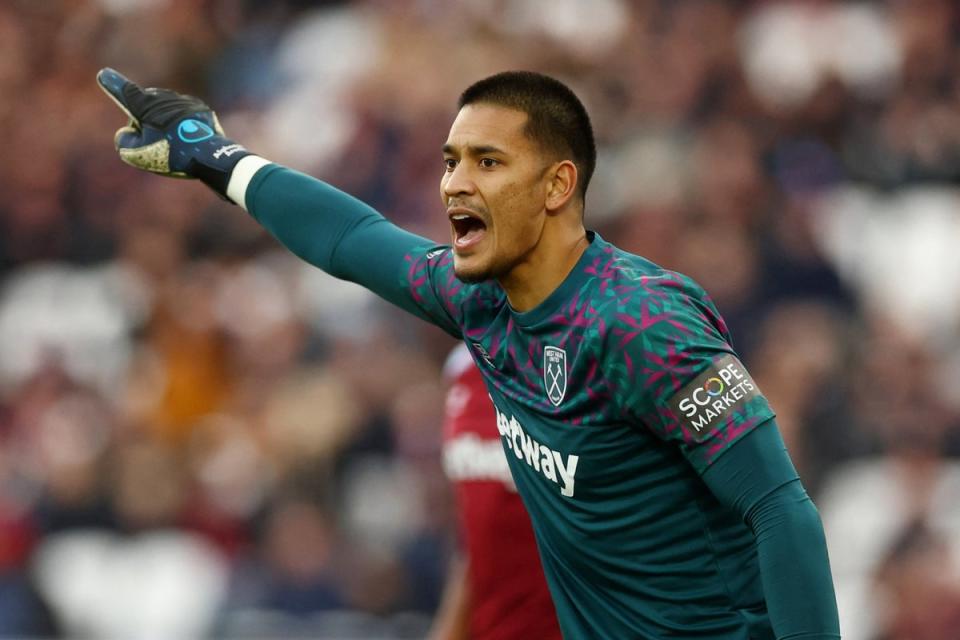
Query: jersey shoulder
x=435, y=288
x=642, y=295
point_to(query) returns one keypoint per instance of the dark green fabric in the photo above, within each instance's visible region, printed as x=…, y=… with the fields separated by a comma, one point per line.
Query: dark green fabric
x=339, y=234
x=634, y=543
x=756, y=478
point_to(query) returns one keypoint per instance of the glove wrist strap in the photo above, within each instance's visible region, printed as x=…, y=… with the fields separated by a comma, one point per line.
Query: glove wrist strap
x=215, y=170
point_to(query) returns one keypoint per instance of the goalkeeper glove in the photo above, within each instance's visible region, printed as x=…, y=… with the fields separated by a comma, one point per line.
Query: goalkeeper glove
x=171, y=134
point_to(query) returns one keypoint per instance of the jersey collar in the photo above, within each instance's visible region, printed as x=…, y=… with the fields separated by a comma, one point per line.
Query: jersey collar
x=570, y=285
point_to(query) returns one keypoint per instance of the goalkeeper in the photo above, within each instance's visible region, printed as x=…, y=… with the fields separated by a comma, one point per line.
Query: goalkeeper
x=662, y=498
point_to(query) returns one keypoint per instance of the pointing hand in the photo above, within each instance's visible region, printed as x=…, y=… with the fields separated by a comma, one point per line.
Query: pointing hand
x=170, y=133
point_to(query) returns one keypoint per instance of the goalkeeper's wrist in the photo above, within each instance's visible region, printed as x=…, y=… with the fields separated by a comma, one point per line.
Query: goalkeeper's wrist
x=215, y=164
x=240, y=177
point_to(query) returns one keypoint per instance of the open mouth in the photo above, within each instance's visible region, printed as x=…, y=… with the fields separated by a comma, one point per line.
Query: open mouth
x=467, y=229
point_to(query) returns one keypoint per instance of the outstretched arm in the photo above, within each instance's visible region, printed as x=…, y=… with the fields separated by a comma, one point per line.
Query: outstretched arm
x=179, y=136
x=756, y=478
x=330, y=229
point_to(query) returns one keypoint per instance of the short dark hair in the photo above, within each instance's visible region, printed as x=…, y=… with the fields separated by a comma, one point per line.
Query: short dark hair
x=556, y=119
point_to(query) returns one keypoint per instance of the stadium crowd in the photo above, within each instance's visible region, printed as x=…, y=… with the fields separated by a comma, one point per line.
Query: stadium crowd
x=202, y=437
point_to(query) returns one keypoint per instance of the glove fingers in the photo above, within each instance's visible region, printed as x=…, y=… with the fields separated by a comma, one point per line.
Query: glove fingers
x=128, y=137
x=113, y=84
x=125, y=93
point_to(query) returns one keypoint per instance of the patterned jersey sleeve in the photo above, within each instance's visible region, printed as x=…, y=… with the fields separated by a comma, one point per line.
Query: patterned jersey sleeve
x=676, y=373
x=435, y=293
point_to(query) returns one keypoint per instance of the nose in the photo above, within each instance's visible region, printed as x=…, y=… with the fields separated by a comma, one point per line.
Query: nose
x=457, y=182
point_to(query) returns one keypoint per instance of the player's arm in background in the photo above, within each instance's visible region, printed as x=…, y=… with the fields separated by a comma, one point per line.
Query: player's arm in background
x=738, y=452
x=452, y=619
x=176, y=135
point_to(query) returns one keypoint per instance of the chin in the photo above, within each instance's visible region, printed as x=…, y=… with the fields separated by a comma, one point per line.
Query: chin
x=470, y=274
x=471, y=277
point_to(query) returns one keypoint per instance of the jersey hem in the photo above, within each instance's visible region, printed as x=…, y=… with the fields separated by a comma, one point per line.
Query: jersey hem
x=702, y=466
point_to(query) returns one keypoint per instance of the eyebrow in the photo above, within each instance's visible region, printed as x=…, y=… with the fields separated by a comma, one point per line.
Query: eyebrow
x=476, y=150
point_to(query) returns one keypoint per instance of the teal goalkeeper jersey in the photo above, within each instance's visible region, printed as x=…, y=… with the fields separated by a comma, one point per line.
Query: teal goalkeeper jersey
x=613, y=397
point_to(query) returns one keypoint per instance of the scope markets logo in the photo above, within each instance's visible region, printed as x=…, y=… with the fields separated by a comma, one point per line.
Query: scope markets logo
x=713, y=395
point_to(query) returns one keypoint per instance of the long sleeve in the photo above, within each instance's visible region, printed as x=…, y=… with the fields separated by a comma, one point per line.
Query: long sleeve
x=756, y=478
x=350, y=240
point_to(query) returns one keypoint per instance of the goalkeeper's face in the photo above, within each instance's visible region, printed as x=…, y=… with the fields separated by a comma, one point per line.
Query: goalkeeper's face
x=494, y=188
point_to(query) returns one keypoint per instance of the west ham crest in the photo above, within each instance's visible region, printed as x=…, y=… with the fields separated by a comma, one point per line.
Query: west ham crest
x=555, y=374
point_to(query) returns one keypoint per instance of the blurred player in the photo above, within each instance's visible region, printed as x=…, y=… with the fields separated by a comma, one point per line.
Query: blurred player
x=660, y=491
x=496, y=591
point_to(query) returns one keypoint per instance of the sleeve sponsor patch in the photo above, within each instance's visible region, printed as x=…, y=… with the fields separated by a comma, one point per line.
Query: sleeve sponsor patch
x=713, y=396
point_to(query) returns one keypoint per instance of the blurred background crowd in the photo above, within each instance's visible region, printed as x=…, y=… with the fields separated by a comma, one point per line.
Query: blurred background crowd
x=202, y=437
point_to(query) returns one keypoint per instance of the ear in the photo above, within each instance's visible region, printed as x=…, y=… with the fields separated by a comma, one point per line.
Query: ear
x=562, y=181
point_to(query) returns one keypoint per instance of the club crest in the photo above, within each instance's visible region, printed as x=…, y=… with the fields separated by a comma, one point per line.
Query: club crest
x=555, y=374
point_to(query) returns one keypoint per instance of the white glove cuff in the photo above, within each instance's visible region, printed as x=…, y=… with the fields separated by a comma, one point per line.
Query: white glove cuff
x=241, y=176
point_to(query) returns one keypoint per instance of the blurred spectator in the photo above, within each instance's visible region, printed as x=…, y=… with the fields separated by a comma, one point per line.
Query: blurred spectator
x=296, y=572
x=23, y=613
x=919, y=581
x=868, y=503
x=166, y=375
x=800, y=360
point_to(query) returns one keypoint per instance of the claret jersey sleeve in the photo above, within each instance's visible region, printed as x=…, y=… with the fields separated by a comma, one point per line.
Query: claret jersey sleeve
x=677, y=374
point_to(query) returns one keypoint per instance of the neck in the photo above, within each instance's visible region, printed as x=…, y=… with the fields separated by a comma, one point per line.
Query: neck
x=545, y=267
